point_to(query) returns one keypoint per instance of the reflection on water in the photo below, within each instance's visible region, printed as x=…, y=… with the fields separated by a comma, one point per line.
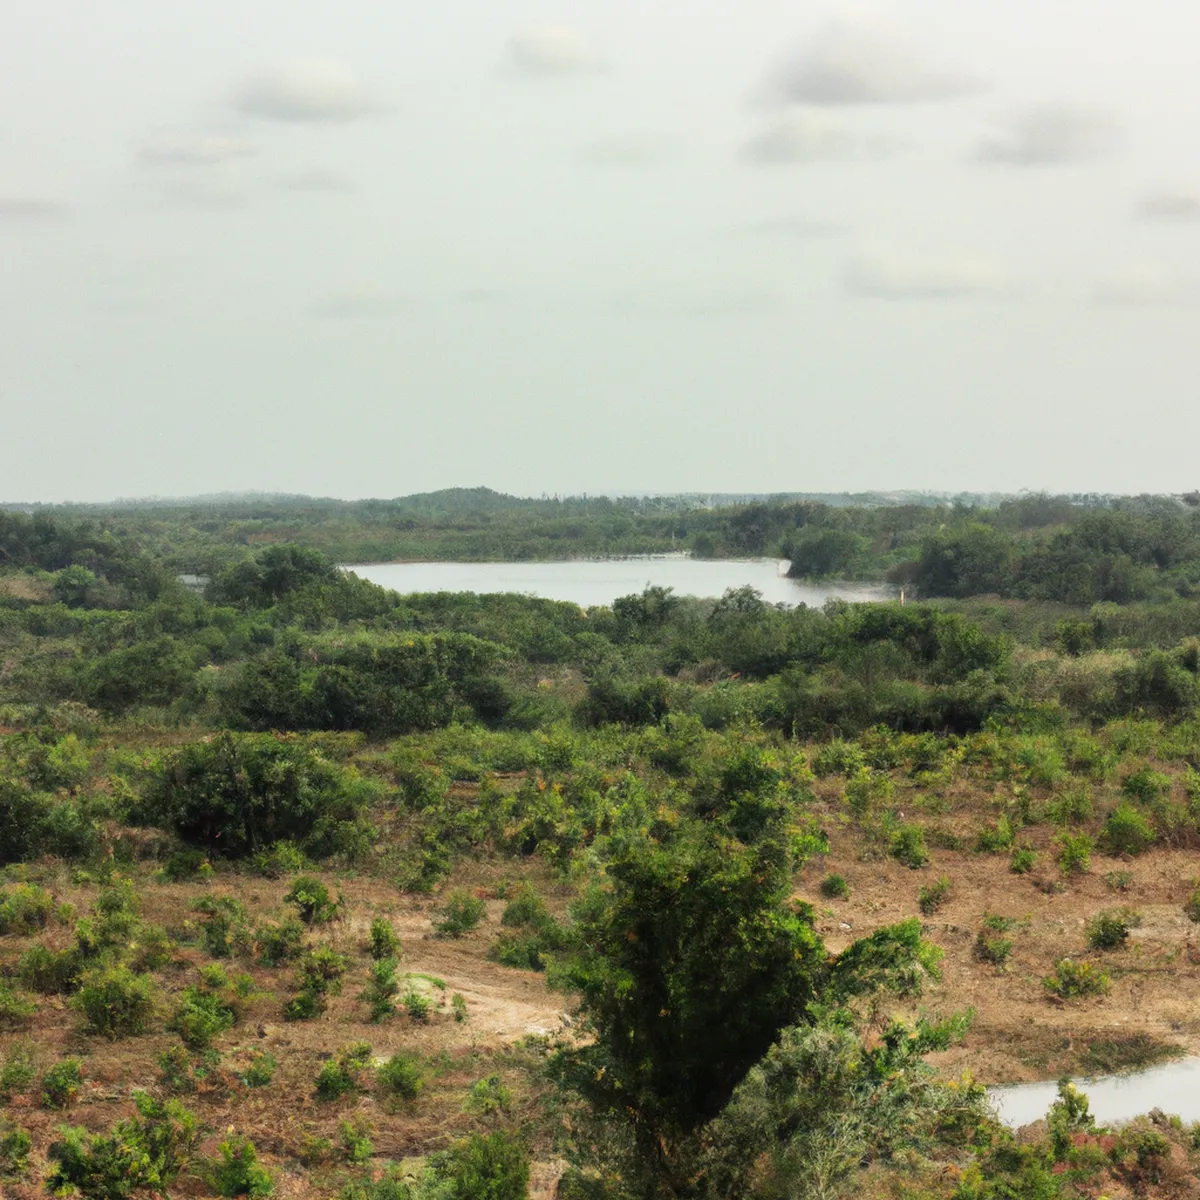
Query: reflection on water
x=1175, y=1088
x=589, y=582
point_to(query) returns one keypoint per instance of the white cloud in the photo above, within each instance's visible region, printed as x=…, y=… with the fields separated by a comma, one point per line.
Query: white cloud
x=29, y=208
x=551, y=50
x=1171, y=206
x=697, y=298
x=1052, y=135
x=857, y=63
x=897, y=275
x=193, y=149
x=628, y=150
x=304, y=92
x=359, y=302
x=807, y=137
x=316, y=180
x=1143, y=285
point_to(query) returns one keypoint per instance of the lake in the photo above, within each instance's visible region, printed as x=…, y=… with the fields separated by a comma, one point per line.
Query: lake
x=1175, y=1088
x=589, y=582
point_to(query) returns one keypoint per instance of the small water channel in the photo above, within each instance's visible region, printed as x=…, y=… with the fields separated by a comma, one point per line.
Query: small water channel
x=1174, y=1087
x=593, y=581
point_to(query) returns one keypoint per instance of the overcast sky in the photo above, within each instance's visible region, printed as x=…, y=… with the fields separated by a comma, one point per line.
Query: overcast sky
x=371, y=248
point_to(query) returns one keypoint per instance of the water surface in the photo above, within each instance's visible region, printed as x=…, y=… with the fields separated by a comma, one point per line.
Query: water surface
x=589, y=582
x=1174, y=1087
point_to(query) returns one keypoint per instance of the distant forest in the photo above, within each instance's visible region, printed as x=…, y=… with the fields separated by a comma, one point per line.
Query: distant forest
x=1077, y=550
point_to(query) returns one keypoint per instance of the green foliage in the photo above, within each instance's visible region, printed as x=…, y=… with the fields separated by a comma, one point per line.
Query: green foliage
x=458, y=1002
x=1127, y=831
x=356, y=1139
x=1145, y=785
x=1070, y=980
x=492, y=1166
x=384, y=942
x=142, y=1153
x=260, y=1070
x=992, y=945
x=15, y=1147
x=15, y=1010
x=488, y=1096
x=25, y=909
x=835, y=887
x=115, y=1002
x=931, y=897
x=279, y=941
x=343, y=1074
x=1191, y=906
x=238, y=795
x=416, y=1004
x=224, y=931
x=18, y=1071
x=1022, y=860
x=1074, y=853
x=401, y=1076
x=994, y=839
x=381, y=989
x=238, y=1171
x=461, y=913
x=282, y=858
x=319, y=974
x=1109, y=930
x=203, y=1015
x=61, y=1083
x=312, y=900
x=908, y=846
x=1069, y=1114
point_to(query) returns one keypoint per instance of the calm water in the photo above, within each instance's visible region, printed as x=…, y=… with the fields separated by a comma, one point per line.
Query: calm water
x=589, y=582
x=1175, y=1088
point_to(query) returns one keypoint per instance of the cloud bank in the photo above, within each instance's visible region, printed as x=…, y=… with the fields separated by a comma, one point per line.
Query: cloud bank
x=304, y=93
x=900, y=275
x=551, y=50
x=193, y=149
x=811, y=137
x=1052, y=135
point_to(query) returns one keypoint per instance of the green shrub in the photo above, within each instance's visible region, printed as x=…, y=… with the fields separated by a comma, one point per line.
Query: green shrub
x=357, y=1146
x=488, y=1096
x=176, y=1071
x=384, y=942
x=1109, y=930
x=401, y=1076
x=15, y=1010
x=381, y=989
x=1145, y=785
x=458, y=1002
x=238, y=1171
x=279, y=942
x=992, y=945
x=993, y=839
x=492, y=1166
x=343, y=1073
x=1071, y=979
x=1127, y=831
x=280, y=859
x=143, y=1153
x=1022, y=860
x=116, y=1002
x=1191, y=906
x=1118, y=881
x=931, y=898
x=25, y=909
x=835, y=887
x=312, y=900
x=416, y=1004
x=319, y=974
x=260, y=1070
x=61, y=1083
x=15, y=1146
x=19, y=1070
x=1073, y=807
x=908, y=846
x=224, y=932
x=461, y=913
x=201, y=1016
x=1074, y=853
x=50, y=972
x=837, y=758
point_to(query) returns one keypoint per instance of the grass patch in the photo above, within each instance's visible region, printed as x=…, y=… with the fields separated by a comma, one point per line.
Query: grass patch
x=1134, y=1052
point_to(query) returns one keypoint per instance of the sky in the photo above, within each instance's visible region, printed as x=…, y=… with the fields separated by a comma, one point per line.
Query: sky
x=374, y=248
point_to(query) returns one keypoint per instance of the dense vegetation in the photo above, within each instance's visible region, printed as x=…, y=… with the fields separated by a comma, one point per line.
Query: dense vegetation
x=212, y=805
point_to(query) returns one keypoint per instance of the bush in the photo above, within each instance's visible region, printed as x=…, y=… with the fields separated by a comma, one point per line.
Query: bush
x=1118, y=881
x=1127, y=831
x=908, y=846
x=458, y=1002
x=991, y=944
x=279, y=942
x=187, y=866
x=319, y=974
x=116, y=1002
x=18, y=1071
x=283, y=858
x=381, y=989
x=1191, y=907
x=202, y=1016
x=384, y=942
x=25, y=909
x=238, y=1172
x=1074, y=853
x=401, y=1076
x=488, y=1096
x=260, y=1070
x=142, y=1154
x=993, y=839
x=494, y=1166
x=224, y=933
x=50, y=972
x=311, y=897
x=1022, y=860
x=1071, y=979
x=357, y=1146
x=417, y=1005
x=835, y=887
x=461, y=913
x=1145, y=785
x=343, y=1073
x=61, y=1083
x=15, y=1145
x=1109, y=930
x=931, y=898
x=15, y=1010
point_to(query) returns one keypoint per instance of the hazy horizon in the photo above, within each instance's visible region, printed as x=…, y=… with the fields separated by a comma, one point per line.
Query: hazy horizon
x=359, y=251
